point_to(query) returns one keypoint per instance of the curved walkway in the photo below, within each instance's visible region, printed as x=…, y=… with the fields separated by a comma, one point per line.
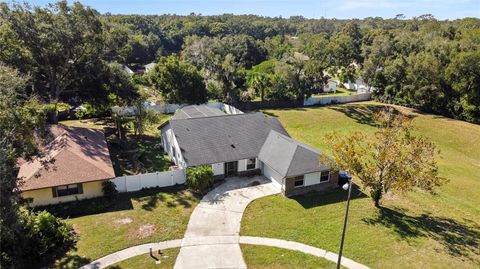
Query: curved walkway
x=220, y=241
x=212, y=239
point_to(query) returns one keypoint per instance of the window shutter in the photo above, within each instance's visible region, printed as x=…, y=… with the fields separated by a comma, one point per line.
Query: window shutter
x=80, y=188
x=54, y=191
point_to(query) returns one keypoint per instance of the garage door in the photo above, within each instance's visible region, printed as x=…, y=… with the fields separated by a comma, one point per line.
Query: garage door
x=272, y=175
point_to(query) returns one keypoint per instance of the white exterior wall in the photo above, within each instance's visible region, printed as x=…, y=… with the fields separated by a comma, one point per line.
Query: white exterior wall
x=218, y=169
x=271, y=174
x=330, y=87
x=169, y=143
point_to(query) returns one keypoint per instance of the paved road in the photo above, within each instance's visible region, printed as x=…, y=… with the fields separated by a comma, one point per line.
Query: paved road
x=218, y=216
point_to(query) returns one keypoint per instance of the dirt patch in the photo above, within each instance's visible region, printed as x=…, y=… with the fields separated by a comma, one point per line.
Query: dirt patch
x=143, y=231
x=123, y=221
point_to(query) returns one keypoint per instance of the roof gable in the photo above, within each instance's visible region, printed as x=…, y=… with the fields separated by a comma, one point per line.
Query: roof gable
x=289, y=157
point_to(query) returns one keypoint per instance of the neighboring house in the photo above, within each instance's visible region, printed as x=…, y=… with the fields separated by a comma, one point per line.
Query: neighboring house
x=331, y=86
x=243, y=145
x=149, y=67
x=81, y=163
x=123, y=67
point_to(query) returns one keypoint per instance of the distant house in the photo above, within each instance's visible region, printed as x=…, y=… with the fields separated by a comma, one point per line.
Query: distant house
x=243, y=145
x=149, y=67
x=81, y=163
x=331, y=86
x=124, y=68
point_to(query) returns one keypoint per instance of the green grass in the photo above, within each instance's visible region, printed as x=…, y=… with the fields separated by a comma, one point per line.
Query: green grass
x=99, y=123
x=415, y=229
x=340, y=92
x=144, y=261
x=262, y=257
x=150, y=215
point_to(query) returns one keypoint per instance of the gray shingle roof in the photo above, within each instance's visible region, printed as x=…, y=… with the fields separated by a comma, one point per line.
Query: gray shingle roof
x=289, y=157
x=223, y=138
x=196, y=111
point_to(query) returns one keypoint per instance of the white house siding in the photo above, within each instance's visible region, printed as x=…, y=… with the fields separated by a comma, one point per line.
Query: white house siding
x=169, y=143
x=218, y=169
x=311, y=179
x=271, y=174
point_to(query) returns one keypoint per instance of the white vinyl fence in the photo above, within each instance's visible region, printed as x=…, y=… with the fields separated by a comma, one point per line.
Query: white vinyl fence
x=150, y=180
x=326, y=100
x=171, y=108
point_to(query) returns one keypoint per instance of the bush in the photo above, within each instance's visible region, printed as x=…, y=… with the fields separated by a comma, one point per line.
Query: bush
x=200, y=178
x=109, y=190
x=41, y=239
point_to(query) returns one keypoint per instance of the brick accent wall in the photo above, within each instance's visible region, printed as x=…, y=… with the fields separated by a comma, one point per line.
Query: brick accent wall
x=290, y=189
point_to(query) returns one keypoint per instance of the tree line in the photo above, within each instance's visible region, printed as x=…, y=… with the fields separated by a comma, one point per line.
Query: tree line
x=420, y=62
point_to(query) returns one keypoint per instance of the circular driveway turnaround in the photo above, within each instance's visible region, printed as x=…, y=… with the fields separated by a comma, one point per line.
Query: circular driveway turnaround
x=212, y=238
x=218, y=215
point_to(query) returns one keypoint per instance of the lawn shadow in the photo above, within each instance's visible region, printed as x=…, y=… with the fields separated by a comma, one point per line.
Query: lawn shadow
x=457, y=238
x=70, y=261
x=174, y=196
x=321, y=198
x=363, y=114
x=90, y=206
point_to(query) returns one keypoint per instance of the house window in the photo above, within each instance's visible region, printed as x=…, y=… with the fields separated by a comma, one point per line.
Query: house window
x=324, y=176
x=298, y=181
x=67, y=190
x=251, y=164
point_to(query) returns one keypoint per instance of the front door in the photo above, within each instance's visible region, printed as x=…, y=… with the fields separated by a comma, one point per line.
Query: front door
x=231, y=169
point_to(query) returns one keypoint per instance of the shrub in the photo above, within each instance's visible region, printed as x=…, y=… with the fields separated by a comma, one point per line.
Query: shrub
x=200, y=178
x=41, y=239
x=109, y=190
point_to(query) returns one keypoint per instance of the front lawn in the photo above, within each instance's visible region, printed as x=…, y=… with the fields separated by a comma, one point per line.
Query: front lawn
x=150, y=215
x=414, y=230
x=263, y=257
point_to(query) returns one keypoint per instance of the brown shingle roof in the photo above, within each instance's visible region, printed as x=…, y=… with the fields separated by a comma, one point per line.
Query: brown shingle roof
x=80, y=155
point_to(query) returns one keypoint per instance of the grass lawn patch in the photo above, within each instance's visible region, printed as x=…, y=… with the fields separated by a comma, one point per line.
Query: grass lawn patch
x=150, y=215
x=339, y=92
x=263, y=257
x=414, y=230
x=167, y=258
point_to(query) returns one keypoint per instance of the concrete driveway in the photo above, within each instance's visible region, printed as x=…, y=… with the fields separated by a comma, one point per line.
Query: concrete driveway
x=211, y=239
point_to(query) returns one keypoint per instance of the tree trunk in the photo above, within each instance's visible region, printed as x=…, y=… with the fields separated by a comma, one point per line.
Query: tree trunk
x=55, y=113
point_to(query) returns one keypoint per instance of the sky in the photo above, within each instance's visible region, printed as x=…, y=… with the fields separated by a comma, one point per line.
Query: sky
x=341, y=9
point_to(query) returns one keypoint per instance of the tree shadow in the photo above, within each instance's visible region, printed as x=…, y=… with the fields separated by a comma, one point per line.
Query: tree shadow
x=70, y=261
x=363, y=114
x=457, y=238
x=175, y=196
x=89, y=206
x=321, y=198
